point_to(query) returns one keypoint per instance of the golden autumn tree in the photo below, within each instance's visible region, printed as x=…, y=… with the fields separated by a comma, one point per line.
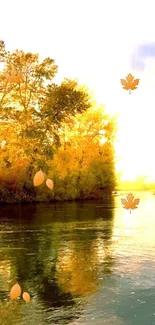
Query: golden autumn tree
x=33, y=107
x=56, y=128
x=86, y=156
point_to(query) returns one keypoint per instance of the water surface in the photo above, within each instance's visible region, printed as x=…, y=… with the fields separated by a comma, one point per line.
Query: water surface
x=89, y=262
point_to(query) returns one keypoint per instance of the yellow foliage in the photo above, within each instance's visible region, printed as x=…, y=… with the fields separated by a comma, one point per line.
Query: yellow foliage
x=81, y=141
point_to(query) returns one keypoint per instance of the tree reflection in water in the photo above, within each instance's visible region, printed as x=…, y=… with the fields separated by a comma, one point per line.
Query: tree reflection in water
x=58, y=253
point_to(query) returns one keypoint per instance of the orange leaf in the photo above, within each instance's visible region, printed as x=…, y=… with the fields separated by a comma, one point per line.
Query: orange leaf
x=129, y=83
x=49, y=184
x=38, y=178
x=26, y=297
x=14, y=76
x=134, y=84
x=15, y=291
x=130, y=202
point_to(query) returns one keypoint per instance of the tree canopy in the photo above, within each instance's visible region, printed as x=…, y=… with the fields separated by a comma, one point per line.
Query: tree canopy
x=36, y=116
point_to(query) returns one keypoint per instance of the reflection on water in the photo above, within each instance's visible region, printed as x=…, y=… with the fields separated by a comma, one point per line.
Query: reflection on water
x=84, y=263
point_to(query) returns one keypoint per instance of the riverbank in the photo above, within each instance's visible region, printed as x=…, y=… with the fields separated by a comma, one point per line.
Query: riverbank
x=10, y=197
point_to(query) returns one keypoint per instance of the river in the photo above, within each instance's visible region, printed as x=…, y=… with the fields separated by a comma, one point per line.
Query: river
x=86, y=262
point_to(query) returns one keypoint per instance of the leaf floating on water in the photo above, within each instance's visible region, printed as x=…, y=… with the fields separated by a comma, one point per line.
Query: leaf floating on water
x=26, y=297
x=49, y=184
x=38, y=178
x=15, y=291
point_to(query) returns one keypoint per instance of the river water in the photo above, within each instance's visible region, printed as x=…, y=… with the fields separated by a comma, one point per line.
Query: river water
x=89, y=262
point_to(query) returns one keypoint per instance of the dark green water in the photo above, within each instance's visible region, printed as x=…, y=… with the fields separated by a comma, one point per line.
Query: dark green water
x=86, y=263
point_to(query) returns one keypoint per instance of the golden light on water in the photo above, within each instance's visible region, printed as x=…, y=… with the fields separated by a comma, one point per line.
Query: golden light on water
x=135, y=225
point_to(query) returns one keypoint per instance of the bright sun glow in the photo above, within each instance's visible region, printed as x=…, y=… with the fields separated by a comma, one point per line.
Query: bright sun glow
x=92, y=40
x=136, y=132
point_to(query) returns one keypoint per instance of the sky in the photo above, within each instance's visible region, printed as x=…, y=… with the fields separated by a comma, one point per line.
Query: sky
x=98, y=42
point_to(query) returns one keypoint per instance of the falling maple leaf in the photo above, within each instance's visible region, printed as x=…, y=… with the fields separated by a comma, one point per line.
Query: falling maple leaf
x=129, y=83
x=14, y=76
x=130, y=202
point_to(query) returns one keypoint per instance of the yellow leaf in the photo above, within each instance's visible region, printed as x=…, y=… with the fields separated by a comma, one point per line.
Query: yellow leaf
x=38, y=178
x=49, y=184
x=15, y=291
x=26, y=297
